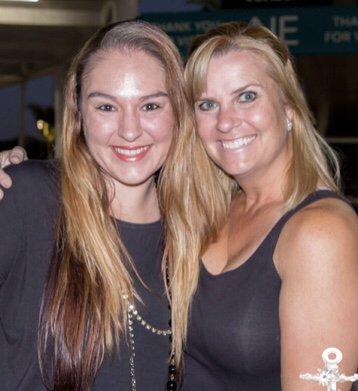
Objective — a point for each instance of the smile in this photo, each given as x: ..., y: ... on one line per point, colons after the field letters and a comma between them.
x: 238, y: 143
x: 131, y: 154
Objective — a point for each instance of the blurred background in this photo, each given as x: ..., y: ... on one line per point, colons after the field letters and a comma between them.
x: 39, y: 38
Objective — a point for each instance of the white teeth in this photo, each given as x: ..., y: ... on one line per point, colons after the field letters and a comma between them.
x: 130, y: 152
x: 239, y: 142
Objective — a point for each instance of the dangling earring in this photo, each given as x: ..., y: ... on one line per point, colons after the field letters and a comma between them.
x: 289, y: 125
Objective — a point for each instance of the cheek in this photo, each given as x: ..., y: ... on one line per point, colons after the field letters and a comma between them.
x: 258, y: 120
x: 161, y: 129
x: 255, y: 113
x: 263, y: 120
x: 97, y: 129
x: 270, y: 114
x: 204, y: 127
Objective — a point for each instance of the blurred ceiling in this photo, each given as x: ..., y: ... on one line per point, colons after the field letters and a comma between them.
x: 36, y: 37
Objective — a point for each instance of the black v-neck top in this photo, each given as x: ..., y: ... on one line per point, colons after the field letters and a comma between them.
x: 27, y: 217
x: 234, y: 332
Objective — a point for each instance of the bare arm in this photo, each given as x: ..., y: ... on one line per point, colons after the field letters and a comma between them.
x: 317, y: 257
x: 13, y: 156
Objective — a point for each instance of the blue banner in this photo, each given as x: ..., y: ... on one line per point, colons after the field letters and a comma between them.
x: 313, y: 30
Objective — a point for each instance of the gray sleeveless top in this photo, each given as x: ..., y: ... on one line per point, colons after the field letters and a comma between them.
x: 234, y: 332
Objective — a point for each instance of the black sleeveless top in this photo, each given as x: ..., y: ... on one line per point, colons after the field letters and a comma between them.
x: 234, y: 331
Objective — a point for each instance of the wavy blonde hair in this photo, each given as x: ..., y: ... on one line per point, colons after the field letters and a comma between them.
x: 205, y: 190
x: 84, y: 310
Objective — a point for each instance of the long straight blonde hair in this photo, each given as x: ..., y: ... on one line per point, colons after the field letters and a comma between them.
x: 84, y: 308
x: 204, y: 190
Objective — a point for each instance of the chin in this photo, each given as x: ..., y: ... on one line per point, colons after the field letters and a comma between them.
x: 238, y: 173
x: 130, y: 176
x: 133, y: 181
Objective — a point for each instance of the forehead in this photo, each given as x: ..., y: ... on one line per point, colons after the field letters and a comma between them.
x: 234, y: 68
x: 118, y: 68
x: 240, y: 64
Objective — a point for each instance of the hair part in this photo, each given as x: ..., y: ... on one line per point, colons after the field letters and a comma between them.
x: 84, y: 308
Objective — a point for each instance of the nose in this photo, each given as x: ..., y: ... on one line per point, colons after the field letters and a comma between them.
x: 129, y: 127
x: 227, y: 119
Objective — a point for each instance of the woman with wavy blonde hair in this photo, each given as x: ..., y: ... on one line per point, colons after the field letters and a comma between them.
x: 277, y: 277
x: 104, y: 322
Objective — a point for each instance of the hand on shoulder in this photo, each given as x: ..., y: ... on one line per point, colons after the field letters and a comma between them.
x: 31, y: 178
x: 12, y: 156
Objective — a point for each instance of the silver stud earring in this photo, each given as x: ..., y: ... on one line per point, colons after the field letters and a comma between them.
x: 289, y: 125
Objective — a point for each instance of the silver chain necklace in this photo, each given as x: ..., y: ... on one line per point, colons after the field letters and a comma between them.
x: 133, y: 314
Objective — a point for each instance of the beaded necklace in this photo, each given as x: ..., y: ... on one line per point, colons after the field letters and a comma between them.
x: 133, y: 315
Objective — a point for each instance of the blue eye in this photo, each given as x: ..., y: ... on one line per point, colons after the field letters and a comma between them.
x: 207, y: 105
x: 150, y: 107
x: 247, y: 96
x: 106, y: 107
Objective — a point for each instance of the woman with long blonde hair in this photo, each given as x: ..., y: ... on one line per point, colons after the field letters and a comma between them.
x: 271, y: 278
x: 80, y: 263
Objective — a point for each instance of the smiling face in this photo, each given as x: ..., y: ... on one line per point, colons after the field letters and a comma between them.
x: 128, y: 119
x: 241, y: 117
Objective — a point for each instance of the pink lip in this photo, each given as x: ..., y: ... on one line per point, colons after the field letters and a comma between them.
x: 130, y: 158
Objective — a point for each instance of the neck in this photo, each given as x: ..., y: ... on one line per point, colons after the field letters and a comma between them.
x: 258, y: 195
x: 264, y: 187
x: 135, y: 204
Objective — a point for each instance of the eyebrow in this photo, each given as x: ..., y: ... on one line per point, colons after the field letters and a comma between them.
x: 240, y: 89
x: 97, y: 94
x: 158, y: 94
x: 237, y: 91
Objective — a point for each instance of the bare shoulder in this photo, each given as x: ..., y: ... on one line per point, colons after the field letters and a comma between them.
x: 319, y: 235
x: 322, y: 216
x: 318, y: 250
x: 317, y: 259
